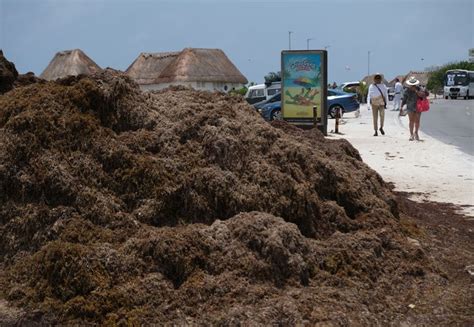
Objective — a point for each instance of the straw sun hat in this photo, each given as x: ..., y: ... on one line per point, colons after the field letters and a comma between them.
x: 412, y: 81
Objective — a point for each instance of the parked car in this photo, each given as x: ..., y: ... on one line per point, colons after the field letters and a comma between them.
x: 275, y: 98
x: 261, y: 92
x: 271, y: 111
x: 391, y: 93
x: 349, y: 87
x: 352, y: 87
x: 339, y: 99
x: 336, y: 99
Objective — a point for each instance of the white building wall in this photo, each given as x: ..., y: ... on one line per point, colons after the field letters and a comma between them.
x: 202, y: 86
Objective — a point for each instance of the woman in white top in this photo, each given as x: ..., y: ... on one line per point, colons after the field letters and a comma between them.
x: 377, y: 98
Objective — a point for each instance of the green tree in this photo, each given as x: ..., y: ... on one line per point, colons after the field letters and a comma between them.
x: 362, y: 91
x: 273, y: 77
x: 436, y: 79
x: 242, y: 91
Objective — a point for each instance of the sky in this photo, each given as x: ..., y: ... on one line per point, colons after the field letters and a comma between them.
x: 390, y: 37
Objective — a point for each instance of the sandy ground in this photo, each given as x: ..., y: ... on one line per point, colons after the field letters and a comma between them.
x: 429, y: 169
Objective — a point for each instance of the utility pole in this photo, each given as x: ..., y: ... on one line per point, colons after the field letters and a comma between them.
x: 307, y: 43
x: 368, y: 63
x: 289, y: 39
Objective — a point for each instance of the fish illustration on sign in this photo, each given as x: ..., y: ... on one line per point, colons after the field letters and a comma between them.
x: 307, y: 82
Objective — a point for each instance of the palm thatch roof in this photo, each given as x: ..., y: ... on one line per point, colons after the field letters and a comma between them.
x: 370, y: 79
x: 189, y: 65
x: 148, y: 66
x: 423, y: 77
x: 69, y: 62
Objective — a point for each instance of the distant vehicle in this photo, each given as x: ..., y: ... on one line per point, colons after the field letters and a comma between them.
x: 343, y: 100
x: 459, y: 83
x: 352, y: 87
x: 391, y: 93
x: 275, y: 98
x: 349, y: 87
x: 347, y: 102
x: 262, y: 92
x: 271, y: 111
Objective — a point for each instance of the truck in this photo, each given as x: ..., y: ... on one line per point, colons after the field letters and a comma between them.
x: 260, y: 92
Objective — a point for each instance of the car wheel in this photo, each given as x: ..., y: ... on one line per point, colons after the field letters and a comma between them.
x: 276, y: 115
x: 446, y: 97
x: 333, y: 110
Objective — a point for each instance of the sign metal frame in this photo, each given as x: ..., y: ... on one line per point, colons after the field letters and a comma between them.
x: 304, y: 88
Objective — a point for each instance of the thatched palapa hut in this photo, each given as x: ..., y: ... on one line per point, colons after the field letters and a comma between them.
x: 393, y: 81
x: 201, y: 69
x: 145, y: 69
x: 69, y: 62
x: 370, y: 79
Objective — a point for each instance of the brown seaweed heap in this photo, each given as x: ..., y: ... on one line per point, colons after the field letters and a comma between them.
x: 185, y: 207
x: 8, y: 74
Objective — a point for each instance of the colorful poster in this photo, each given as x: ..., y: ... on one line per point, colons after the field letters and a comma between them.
x: 303, y: 85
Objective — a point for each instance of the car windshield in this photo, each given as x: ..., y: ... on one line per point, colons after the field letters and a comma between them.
x: 273, y: 91
x: 456, y: 79
x: 350, y: 88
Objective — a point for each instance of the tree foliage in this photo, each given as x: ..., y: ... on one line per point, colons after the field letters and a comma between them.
x: 362, y: 91
x: 272, y: 77
x: 242, y: 91
x: 436, y: 79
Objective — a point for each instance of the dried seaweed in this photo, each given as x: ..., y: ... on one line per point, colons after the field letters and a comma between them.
x: 118, y: 206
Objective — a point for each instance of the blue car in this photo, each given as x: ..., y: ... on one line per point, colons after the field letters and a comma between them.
x: 275, y: 98
x: 347, y: 102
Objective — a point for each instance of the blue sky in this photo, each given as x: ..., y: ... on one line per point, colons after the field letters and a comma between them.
x: 401, y: 35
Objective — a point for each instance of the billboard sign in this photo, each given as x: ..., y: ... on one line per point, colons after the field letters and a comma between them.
x: 304, y: 87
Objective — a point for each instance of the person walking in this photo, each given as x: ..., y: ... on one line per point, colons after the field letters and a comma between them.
x: 377, y: 97
x: 412, y: 94
x: 397, y: 98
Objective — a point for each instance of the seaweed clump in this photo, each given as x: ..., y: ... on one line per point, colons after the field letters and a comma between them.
x: 118, y: 206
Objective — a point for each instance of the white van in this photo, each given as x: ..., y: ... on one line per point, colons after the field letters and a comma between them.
x: 261, y: 92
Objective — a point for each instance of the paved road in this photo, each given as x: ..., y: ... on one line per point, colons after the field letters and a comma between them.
x: 452, y: 122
